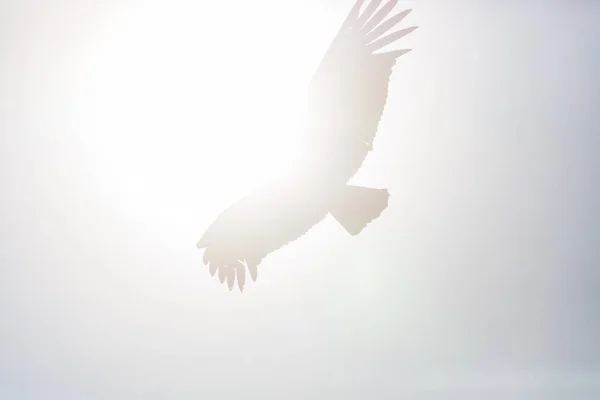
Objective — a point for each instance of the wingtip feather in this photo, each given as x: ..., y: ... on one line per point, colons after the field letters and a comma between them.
x: 222, y: 274
x: 252, y: 268
x: 388, y: 39
x: 396, y: 53
x: 381, y: 29
x: 230, y: 277
x: 368, y: 13
x: 378, y: 16
x: 352, y: 17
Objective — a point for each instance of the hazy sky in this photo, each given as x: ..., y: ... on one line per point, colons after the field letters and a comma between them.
x: 480, y: 280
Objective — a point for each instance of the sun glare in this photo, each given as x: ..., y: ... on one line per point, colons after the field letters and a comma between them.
x: 182, y: 111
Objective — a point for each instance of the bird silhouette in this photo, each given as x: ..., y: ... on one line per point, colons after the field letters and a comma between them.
x: 347, y: 96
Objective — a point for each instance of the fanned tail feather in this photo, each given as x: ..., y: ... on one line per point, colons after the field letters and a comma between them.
x: 357, y: 206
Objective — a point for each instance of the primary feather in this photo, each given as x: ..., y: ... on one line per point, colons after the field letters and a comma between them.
x: 347, y: 96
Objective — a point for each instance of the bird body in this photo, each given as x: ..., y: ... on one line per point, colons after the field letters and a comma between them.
x: 347, y: 96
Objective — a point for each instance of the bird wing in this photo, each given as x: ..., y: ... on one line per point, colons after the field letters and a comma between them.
x: 255, y: 226
x: 349, y: 89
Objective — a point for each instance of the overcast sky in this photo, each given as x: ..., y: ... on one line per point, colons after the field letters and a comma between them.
x: 480, y: 280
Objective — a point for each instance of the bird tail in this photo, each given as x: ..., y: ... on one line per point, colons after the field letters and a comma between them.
x: 357, y: 206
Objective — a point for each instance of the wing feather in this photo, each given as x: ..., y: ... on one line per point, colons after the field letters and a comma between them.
x: 379, y: 16
x: 392, y: 37
x: 240, y: 273
x: 368, y: 12
x: 222, y: 273
x: 376, y: 32
x: 252, y: 265
x: 352, y: 17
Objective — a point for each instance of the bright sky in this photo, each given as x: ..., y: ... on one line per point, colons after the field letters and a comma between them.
x: 118, y: 148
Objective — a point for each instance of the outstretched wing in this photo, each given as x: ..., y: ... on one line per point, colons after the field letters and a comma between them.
x: 257, y: 225
x: 349, y: 88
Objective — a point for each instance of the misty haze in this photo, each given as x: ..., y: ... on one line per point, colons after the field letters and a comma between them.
x: 127, y: 127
